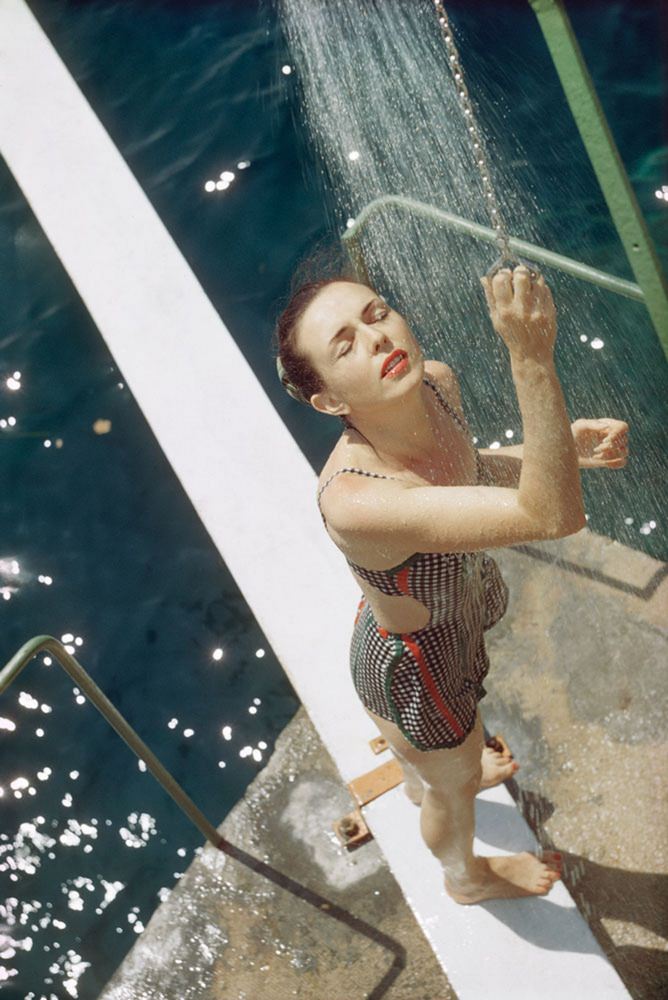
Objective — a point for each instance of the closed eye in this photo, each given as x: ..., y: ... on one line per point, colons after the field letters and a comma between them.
x: 380, y: 313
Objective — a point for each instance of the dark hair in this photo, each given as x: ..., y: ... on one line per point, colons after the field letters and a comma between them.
x: 297, y: 373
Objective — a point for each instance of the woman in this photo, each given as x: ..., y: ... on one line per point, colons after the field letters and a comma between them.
x: 413, y: 505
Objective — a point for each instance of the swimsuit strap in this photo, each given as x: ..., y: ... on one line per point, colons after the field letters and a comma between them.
x: 480, y: 465
x: 377, y: 475
x: 446, y: 406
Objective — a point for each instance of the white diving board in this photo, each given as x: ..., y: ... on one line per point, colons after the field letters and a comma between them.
x: 255, y: 494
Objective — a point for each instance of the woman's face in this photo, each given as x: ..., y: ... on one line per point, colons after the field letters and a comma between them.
x: 362, y: 349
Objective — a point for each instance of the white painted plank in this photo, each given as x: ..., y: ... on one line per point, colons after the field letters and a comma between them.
x: 255, y: 494
x: 519, y: 949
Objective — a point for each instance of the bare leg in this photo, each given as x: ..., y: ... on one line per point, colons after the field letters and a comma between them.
x: 496, y: 768
x: 451, y: 779
x: 413, y: 784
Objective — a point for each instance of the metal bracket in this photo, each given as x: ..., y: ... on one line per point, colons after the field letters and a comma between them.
x: 378, y: 744
x: 352, y: 830
x: 369, y: 786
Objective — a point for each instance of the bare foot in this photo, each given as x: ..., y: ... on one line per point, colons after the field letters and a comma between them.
x: 496, y: 767
x: 509, y: 877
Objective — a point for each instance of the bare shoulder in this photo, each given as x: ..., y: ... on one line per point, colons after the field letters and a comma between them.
x: 447, y: 381
x: 340, y: 490
x: 348, y: 452
x: 356, y: 508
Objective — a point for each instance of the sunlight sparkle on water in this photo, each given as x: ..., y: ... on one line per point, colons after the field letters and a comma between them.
x: 27, y: 700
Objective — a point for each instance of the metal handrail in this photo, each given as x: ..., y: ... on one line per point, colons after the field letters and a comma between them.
x: 21, y: 659
x: 325, y: 906
x: 576, y: 268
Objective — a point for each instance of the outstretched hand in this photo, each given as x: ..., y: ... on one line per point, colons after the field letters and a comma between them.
x: 602, y: 443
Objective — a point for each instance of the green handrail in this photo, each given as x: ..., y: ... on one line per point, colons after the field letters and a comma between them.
x: 450, y: 221
x: 325, y: 906
x: 604, y: 156
x: 21, y: 659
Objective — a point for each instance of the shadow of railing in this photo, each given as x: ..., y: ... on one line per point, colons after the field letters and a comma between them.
x: 107, y: 709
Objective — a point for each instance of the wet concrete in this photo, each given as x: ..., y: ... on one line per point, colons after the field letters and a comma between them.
x: 227, y: 933
x: 578, y: 685
x: 578, y: 688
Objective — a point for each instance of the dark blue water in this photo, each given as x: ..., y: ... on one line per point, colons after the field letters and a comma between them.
x: 187, y: 90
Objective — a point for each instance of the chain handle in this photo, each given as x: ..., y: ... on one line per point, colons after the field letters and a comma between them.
x: 507, y: 258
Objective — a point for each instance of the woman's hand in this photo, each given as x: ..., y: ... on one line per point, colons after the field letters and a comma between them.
x: 602, y: 443
x: 522, y: 312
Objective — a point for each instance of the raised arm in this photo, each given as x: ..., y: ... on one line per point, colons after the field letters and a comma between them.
x: 388, y: 516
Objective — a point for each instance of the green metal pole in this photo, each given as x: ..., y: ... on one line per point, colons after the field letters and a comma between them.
x: 605, y: 159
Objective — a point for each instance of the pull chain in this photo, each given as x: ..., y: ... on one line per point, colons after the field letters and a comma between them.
x: 507, y: 257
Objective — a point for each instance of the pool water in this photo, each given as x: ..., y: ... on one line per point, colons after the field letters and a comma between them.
x: 187, y: 91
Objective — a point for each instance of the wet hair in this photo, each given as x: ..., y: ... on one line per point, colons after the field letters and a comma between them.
x: 326, y: 263
x: 296, y: 371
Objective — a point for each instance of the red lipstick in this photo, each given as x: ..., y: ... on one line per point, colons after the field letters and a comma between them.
x: 397, y: 359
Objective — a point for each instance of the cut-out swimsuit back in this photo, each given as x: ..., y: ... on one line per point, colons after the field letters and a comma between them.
x: 428, y: 681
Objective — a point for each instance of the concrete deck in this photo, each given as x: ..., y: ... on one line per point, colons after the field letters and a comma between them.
x: 576, y: 680
x: 576, y: 686
x: 226, y: 932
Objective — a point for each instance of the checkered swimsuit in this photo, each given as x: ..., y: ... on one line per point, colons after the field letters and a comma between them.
x: 429, y: 681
